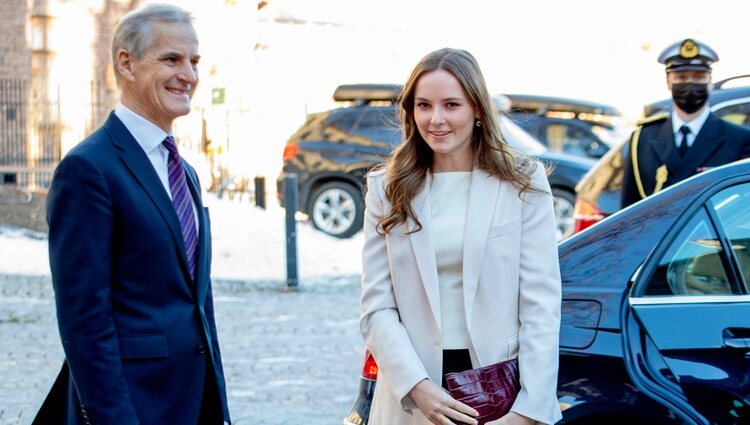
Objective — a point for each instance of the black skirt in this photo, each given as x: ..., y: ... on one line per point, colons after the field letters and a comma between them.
x: 455, y: 361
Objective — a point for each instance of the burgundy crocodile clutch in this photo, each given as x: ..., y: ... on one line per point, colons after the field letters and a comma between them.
x: 490, y: 390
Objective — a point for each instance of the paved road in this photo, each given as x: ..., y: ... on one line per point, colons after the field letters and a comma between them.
x: 289, y: 357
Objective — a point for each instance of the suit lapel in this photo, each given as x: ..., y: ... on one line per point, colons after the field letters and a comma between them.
x: 424, y: 249
x: 707, y: 141
x: 137, y: 162
x: 664, y: 147
x: 482, y: 199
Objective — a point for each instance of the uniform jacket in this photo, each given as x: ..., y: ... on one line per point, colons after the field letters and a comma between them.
x: 511, y: 293
x: 139, y: 335
x: 718, y: 142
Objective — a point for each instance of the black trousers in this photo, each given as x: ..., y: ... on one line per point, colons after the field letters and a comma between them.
x: 455, y: 361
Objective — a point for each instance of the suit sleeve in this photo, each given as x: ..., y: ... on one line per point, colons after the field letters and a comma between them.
x: 540, y: 296
x: 380, y: 323
x: 81, y: 230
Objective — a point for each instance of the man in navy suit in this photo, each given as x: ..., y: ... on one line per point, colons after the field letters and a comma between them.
x: 130, y: 249
x: 671, y: 147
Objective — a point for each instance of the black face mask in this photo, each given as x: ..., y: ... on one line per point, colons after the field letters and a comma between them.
x: 690, y: 96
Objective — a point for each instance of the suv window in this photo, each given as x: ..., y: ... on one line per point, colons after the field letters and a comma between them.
x: 570, y: 138
x: 344, y: 120
x: 379, y: 125
x: 696, y: 263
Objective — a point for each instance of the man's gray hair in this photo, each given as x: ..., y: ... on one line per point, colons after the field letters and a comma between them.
x: 134, y: 34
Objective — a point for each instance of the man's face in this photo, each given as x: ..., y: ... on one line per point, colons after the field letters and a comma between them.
x: 687, y: 77
x: 162, y: 82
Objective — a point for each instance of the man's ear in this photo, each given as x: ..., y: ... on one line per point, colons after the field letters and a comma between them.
x: 124, y: 65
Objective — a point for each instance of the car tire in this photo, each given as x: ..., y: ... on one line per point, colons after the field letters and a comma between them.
x: 564, y: 201
x: 337, y: 209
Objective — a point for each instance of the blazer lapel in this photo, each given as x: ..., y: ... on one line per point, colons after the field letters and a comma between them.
x: 140, y: 167
x: 424, y: 249
x: 482, y: 199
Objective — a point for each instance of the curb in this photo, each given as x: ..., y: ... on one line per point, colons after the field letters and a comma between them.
x: 40, y: 286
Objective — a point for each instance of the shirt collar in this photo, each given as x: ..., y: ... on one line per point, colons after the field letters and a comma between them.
x: 146, y: 133
x: 694, y: 125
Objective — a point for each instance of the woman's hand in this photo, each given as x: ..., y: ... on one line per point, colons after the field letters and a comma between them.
x: 439, y: 407
x: 513, y: 418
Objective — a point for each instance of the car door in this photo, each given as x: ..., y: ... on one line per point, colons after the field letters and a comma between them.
x: 687, y: 320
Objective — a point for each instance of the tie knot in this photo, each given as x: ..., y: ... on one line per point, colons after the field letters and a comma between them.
x: 171, y: 146
x: 685, y: 130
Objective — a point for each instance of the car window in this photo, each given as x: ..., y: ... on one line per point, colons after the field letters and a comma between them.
x: 738, y: 114
x: 519, y: 138
x: 731, y: 206
x: 694, y: 264
x: 571, y: 139
x: 380, y: 125
x: 343, y: 120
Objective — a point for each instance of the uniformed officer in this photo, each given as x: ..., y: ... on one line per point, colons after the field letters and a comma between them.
x: 672, y: 146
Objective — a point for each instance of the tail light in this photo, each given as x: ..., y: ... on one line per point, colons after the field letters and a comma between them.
x: 370, y: 369
x: 290, y: 151
x: 585, y: 214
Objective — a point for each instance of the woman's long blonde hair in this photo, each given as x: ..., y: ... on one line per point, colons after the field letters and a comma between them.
x: 406, y: 168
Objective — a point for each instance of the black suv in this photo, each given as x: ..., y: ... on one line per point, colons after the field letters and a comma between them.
x: 598, y: 193
x: 573, y: 126
x: 333, y: 150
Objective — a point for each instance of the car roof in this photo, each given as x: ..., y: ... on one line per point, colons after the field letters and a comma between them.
x: 542, y: 104
x: 609, y: 252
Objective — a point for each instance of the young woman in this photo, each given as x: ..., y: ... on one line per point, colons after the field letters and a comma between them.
x: 460, y: 264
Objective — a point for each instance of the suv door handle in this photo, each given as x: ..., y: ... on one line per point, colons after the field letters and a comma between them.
x: 737, y: 338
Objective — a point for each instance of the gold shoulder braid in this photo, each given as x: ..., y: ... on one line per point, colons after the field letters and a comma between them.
x: 661, y: 173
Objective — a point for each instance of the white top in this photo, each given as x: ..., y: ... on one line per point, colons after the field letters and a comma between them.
x: 694, y: 126
x: 449, y: 200
x: 150, y: 137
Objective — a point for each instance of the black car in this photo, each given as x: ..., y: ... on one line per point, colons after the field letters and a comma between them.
x: 333, y: 150
x: 598, y: 193
x: 656, y: 310
x: 573, y: 126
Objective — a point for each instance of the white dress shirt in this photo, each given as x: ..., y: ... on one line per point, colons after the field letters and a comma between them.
x: 150, y: 137
x: 694, y: 126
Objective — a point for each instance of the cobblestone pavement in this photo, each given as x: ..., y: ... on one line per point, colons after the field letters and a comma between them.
x: 290, y: 357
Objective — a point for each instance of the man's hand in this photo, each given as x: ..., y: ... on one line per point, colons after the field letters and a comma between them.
x: 439, y: 407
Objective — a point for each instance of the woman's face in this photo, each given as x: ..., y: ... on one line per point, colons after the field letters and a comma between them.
x: 445, y: 119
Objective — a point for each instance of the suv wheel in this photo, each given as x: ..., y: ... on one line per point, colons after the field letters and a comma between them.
x: 564, y: 202
x: 337, y: 208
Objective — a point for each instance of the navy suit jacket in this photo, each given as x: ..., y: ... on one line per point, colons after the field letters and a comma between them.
x: 718, y: 142
x: 139, y: 335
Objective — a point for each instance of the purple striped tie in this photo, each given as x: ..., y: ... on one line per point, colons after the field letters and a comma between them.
x: 181, y: 199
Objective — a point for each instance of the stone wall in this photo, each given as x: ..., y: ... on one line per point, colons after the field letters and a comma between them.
x: 19, y: 207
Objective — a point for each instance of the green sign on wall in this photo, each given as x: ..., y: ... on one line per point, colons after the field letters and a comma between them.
x: 217, y: 95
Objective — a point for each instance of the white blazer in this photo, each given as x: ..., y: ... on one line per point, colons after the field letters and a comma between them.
x: 511, y: 289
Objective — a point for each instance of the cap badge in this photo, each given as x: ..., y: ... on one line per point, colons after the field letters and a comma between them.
x: 688, y: 49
